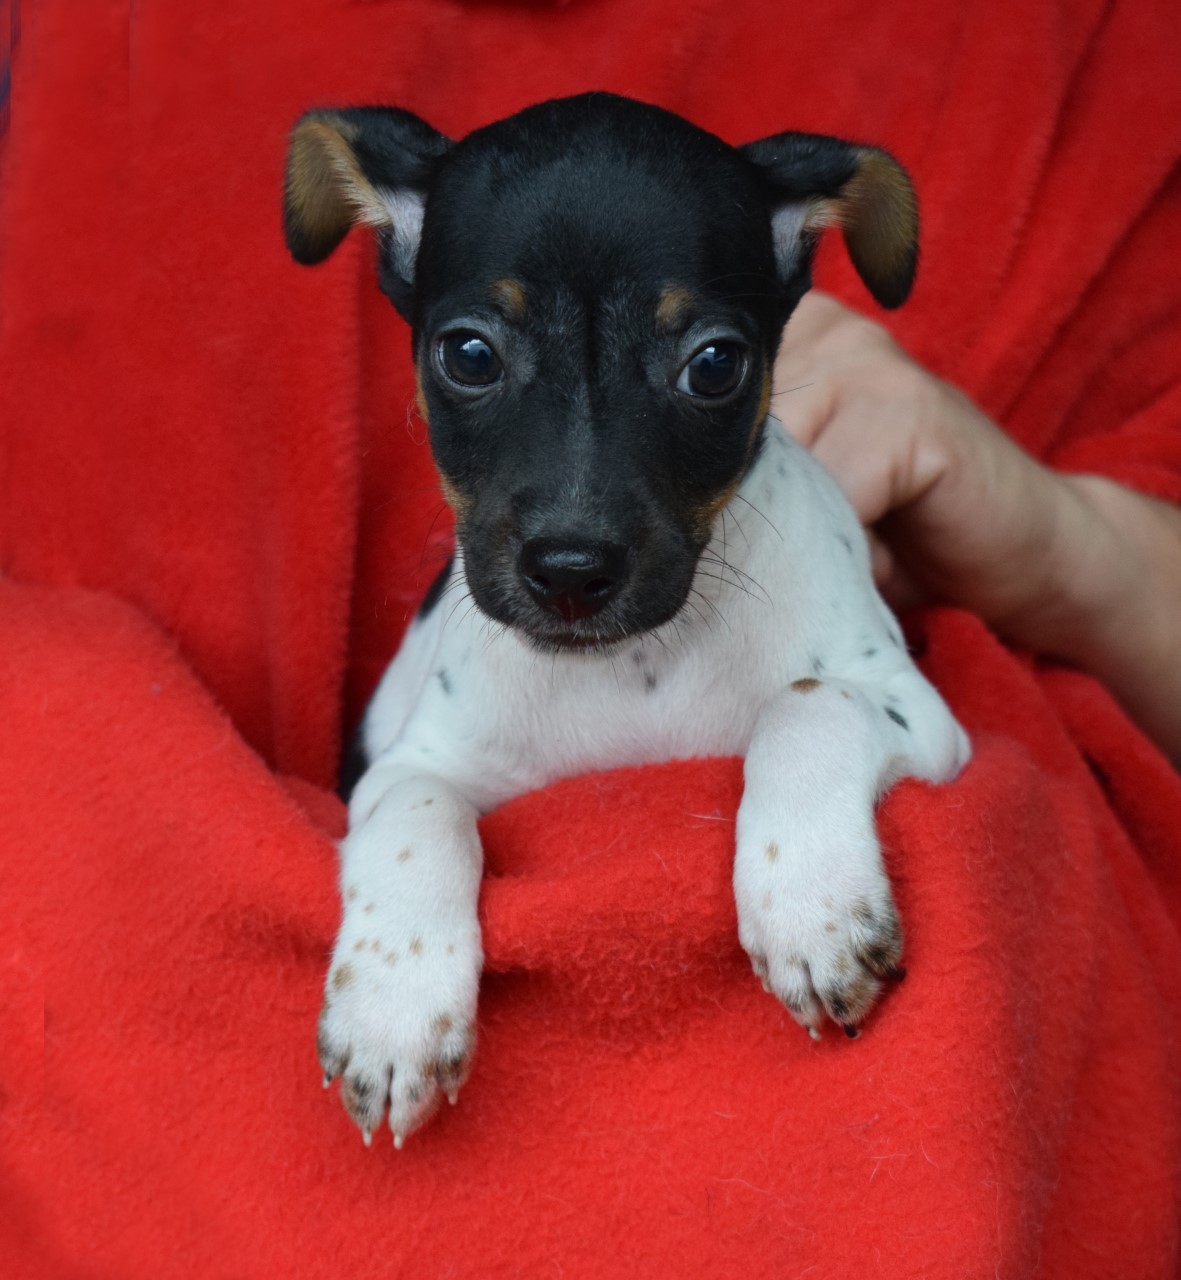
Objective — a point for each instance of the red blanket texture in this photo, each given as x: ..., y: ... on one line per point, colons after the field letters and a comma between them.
x: 217, y: 511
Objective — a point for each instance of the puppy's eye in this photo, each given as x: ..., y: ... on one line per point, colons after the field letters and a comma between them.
x: 715, y: 371
x: 469, y: 360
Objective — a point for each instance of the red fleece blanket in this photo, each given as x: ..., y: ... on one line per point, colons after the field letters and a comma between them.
x: 217, y: 511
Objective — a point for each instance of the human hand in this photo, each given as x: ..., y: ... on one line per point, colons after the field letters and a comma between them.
x: 1073, y: 566
x: 956, y: 512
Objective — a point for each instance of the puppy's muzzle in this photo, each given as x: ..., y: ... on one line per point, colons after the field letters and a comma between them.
x: 571, y: 578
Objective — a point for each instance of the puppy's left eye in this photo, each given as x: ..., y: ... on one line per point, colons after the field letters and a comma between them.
x: 715, y: 371
x: 466, y: 358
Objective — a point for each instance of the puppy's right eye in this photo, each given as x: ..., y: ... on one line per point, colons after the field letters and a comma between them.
x: 468, y: 359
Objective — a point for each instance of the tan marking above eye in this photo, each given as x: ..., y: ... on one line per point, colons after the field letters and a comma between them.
x: 673, y: 306
x: 509, y: 296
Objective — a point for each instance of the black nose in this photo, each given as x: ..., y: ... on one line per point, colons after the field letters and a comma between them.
x: 570, y: 578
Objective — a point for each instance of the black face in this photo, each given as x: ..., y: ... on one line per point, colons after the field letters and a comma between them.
x: 597, y: 290
x: 596, y: 313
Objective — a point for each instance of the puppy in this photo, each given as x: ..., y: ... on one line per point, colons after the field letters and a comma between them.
x: 596, y: 290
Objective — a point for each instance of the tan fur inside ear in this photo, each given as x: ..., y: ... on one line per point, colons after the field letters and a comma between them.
x: 326, y: 187
x: 882, y: 228
x: 878, y: 213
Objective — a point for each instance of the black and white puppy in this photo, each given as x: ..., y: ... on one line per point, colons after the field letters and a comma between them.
x: 596, y: 290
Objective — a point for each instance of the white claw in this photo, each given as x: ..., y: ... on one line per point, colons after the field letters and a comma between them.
x: 367, y: 1136
x: 453, y: 1096
x: 814, y: 1033
x: 398, y: 1140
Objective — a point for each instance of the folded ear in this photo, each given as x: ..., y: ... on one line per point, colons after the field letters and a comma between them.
x: 369, y: 165
x: 817, y: 182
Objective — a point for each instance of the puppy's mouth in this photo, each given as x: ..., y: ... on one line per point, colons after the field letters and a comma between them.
x: 649, y: 600
x: 547, y: 640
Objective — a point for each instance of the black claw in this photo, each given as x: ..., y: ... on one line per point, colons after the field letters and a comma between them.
x: 850, y: 1030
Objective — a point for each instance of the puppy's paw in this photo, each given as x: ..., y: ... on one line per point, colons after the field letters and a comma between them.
x: 823, y: 944
x: 398, y: 1021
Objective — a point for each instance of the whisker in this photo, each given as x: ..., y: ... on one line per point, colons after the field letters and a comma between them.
x: 761, y: 516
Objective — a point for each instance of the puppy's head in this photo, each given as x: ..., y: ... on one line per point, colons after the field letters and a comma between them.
x: 596, y: 290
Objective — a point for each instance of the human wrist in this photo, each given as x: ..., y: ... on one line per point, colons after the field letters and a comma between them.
x: 1090, y: 576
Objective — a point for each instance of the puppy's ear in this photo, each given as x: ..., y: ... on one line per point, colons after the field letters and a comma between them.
x: 817, y: 182
x: 369, y: 165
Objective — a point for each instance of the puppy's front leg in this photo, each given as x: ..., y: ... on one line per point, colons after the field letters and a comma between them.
x: 815, y: 912
x: 398, y: 1022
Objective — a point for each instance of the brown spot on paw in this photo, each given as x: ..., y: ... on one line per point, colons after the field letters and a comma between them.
x: 359, y: 945
x: 391, y: 956
x: 442, y: 1024
x: 351, y: 895
x: 331, y: 1059
x: 375, y: 947
x: 450, y: 949
x: 367, y: 907
x: 806, y: 685
x: 404, y: 855
x: 862, y: 912
x: 830, y: 927
x: 361, y: 1100
x: 343, y: 977
x: 882, y: 952
x: 416, y: 946
x: 451, y: 1070
x: 852, y: 999
x: 772, y: 851
x: 796, y: 1006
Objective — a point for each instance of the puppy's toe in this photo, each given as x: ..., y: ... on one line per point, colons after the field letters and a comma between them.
x: 398, y: 1028
x: 825, y: 956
